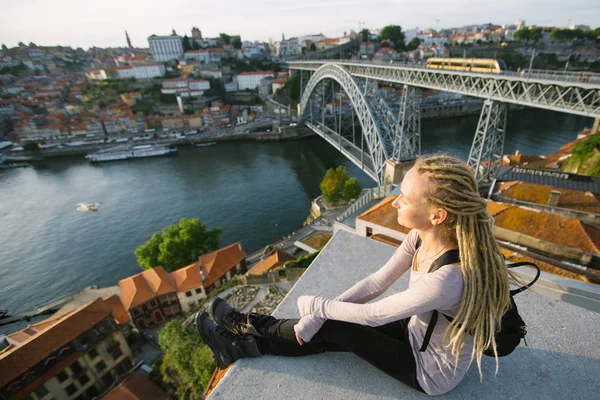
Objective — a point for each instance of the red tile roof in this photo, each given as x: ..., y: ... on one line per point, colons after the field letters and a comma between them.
x: 119, y: 313
x: 549, y: 227
x: 136, y: 387
x: 218, y: 262
x: 217, y: 375
x: 384, y: 214
x: 61, y: 331
x: 144, y: 286
x: 187, y: 278
x: 534, y: 193
x: 274, y: 260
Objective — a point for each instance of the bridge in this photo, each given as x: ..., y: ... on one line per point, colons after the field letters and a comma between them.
x: 369, y: 131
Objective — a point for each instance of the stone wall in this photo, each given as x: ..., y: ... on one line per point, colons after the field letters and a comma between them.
x: 275, y: 275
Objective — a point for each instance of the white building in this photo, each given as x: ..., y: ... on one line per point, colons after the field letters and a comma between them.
x: 166, y: 48
x: 185, y: 88
x: 251, y: 80
x: 288, y: 48
x: 198, y: 55
x: 140, y: 71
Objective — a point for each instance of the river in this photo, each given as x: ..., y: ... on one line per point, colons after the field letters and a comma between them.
x: 256, y: 192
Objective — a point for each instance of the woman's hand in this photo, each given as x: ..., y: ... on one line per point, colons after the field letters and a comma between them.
x: 299, y: 339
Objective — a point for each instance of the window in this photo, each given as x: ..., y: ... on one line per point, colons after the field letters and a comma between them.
x: 76, y: 368
x: 41, y: 391
x: 198, y: 291
x: 188, y: 293
x: 369, y: 232
x: 116, y: 353
x: 71, y: 389
x: 62, y: 376
x: 107, y: 380
x: 91, y: 392
x: 153, y: 303
x: 83, y: 379
x: 101, y: 366
x: 93, y: 354
x: 135, y: 312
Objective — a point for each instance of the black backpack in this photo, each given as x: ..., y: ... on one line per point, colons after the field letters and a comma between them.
x: 512, y: 328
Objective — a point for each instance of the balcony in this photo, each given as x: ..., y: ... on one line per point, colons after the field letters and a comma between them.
x: 561, y: 361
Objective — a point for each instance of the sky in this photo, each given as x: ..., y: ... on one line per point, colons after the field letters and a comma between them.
x: 86, y: 23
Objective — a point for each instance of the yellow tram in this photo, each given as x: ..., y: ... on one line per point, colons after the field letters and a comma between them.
x: 468, y: 64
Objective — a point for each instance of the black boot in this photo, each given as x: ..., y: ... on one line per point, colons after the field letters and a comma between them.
x: 227, y: 348
x: 230, y: 319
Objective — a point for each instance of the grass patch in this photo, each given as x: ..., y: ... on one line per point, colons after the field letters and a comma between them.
x: 318, y: 240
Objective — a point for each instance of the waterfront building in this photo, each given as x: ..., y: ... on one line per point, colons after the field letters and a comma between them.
x: 274, y: 259
x: 189, y: 286
x: 76, y: 355
x: 166, y: 48
x: 251, y: 80
x: 149, y: 298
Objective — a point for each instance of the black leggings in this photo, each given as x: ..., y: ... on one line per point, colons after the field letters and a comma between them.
x: 386, y: 347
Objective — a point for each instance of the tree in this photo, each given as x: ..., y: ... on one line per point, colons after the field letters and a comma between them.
x: 225, y: 38
x: 522, y: 35
x: 352, y: 189
x: 186, y: 355
x: 332, y: 186
x: 31, y: 146
x: 178, y: 245
x: 195, y: 45
x: 186, y: 44
x: 313, y: 47
x: 413, y: 44
x: 394, y: 34
x: 237, y: 42
x: 365, y: 35
x: 536, y: 34
x: 292, y: 83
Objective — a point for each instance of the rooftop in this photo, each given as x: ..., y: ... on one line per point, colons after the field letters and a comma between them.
x: 560, y: 361
x: 136, y: 387
x: 275, y: 259
x: 218, y: 262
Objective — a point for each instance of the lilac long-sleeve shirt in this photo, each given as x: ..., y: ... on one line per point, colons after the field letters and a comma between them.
x: 437, y: 369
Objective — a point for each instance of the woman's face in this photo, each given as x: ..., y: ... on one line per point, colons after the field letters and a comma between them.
x: 413, y: 211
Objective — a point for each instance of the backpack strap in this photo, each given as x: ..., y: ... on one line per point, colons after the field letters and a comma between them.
x: 530, y: 284
x: 449, y: 257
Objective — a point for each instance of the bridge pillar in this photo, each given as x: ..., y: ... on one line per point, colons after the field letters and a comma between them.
x: 488, y: 145
x: 408, y: 144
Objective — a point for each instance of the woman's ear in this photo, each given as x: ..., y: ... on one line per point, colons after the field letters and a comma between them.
x: 438, y: 216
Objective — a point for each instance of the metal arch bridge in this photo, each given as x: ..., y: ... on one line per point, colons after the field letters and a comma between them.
x: 387, y: 135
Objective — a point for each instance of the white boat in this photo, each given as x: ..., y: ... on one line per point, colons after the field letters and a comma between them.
x: 88, y: 206
x: 127, y: 153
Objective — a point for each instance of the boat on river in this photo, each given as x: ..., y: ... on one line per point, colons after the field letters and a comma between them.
x: 126, y: 152
x: 206, y: 144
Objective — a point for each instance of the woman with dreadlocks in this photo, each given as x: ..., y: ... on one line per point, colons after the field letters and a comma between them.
x: 439, y: 201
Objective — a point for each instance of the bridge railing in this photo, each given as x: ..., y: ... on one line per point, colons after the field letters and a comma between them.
x: 369, y: 195
x: 563, y: 76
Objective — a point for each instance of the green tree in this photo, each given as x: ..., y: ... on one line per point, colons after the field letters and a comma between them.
x: 394, y: 34
x: 225, y: 38
x: 195, y: 45
x: 186, y: 44
x: 237, y: 42
x: 522, y: 35
x: 187, y: 356
x: 352, y: 189
x: 332, y: 186
x: 292, y: 83
x: 178, y: 245
x: 364, y: 35
x: 313, y: 47
x: 535, y: 34
x: 413, y: 44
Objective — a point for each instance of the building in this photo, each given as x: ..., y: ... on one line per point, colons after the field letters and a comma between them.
x: 220, y: 265
x: 251, y: 80
x: 136, y: 387
x: 189, y: 286
x: 198, y: 55
x: 185, y: 88
x: 76, y: 355
x: 166, y: 48
x: 288, y: 48
x: 149, y: 297
x: 147, y: 70
x: 380, y: 222
x: 273, y: 260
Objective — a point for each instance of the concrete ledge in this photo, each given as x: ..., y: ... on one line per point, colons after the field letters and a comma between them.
x: 562, y: 360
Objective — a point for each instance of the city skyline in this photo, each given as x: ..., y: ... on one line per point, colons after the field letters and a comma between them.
x: 75, y: 24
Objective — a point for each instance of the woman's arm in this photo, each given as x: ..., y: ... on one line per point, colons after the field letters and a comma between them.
x: 368, y: 288
x: 439, y: 290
